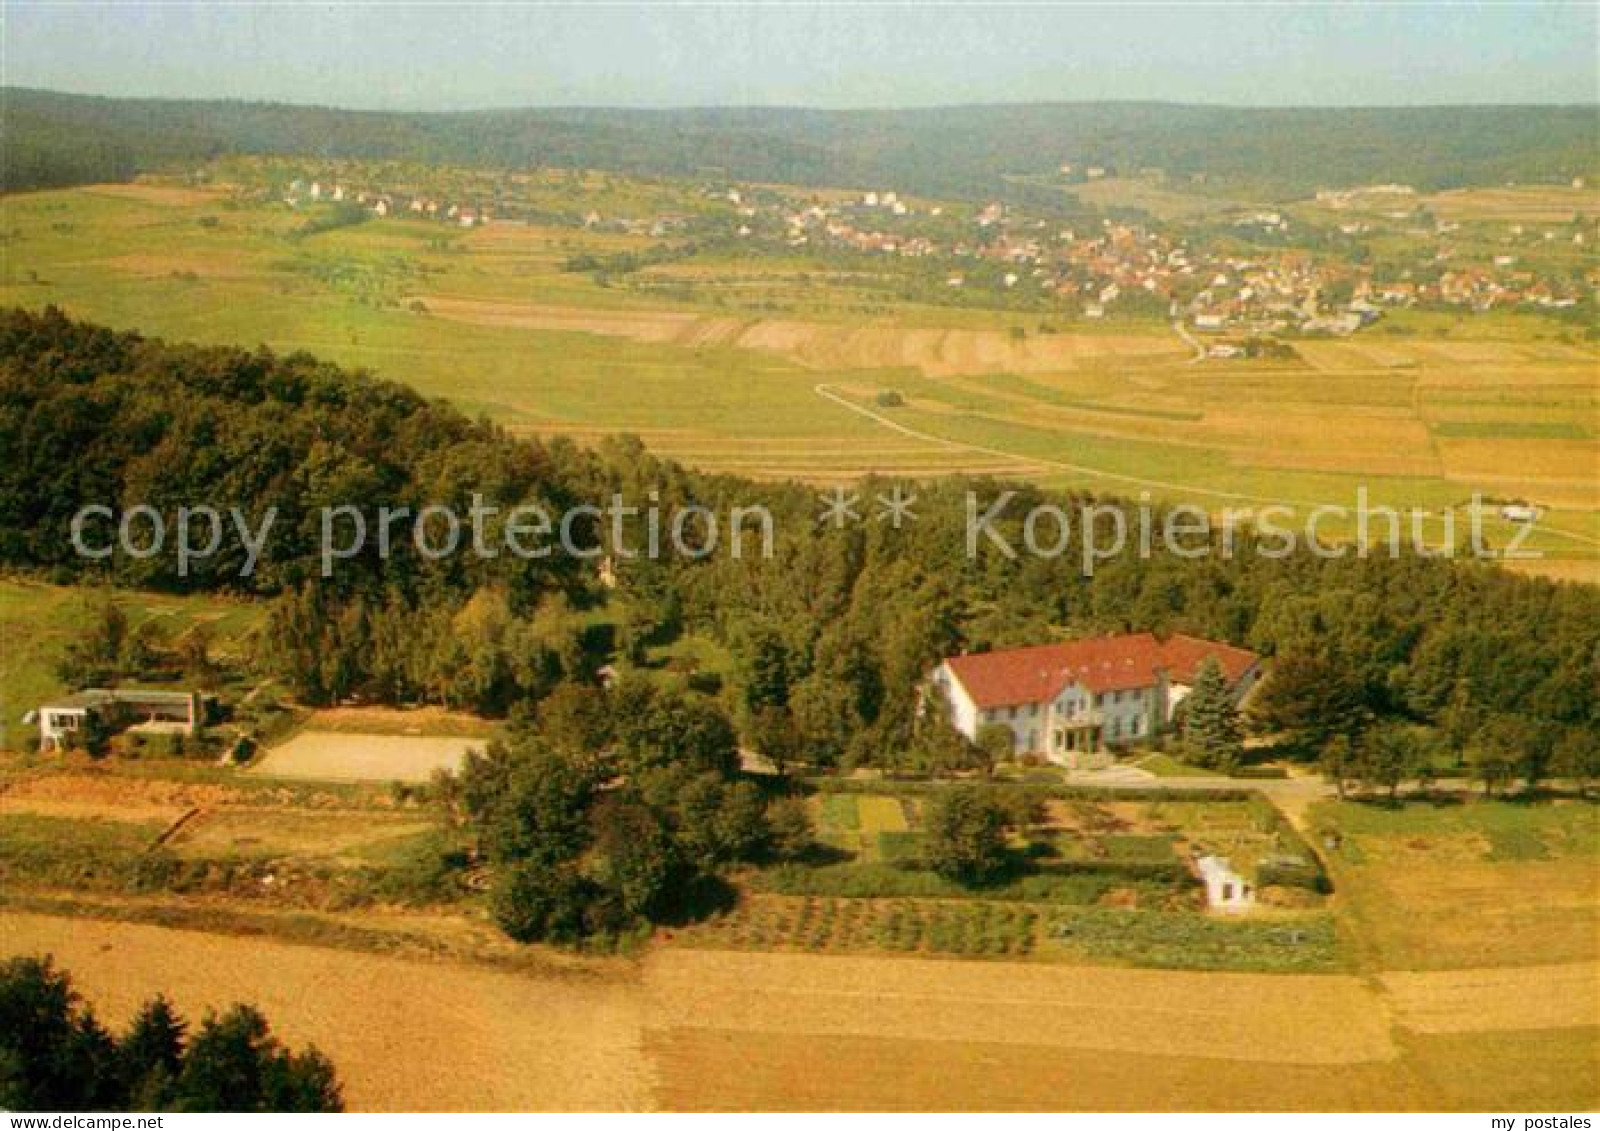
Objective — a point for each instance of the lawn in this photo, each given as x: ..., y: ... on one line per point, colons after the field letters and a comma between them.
x: 1081, y: 851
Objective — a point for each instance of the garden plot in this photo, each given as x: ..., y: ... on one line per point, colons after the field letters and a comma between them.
x: 348, y: 836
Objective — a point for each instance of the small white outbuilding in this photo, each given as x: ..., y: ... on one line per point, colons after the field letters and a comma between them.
x: 1226, y: 890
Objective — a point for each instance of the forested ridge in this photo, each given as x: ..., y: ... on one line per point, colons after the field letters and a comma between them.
x: 55, y: 139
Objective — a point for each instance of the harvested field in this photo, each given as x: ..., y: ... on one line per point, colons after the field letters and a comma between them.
x: 1585, y: 571
x: 716, y: 361
x: 1515, y: 997
x: 714, y: 1069
x: 214, y: 265
x: 429, y: 1036
x: 1112, y: 1010
x: 338, y: 756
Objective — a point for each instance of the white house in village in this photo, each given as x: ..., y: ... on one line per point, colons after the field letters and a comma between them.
x: 1075, y: 702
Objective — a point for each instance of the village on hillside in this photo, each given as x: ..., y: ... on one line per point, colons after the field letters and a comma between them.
x: 1240, y: 276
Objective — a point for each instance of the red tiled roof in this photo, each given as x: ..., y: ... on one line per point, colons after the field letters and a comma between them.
x: 1182, y: 655
x: 1107, y: 663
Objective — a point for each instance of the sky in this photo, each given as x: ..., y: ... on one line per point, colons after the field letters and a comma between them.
x: 437, y: 56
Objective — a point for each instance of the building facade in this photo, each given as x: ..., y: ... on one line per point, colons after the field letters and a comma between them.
x: 1077, y: 702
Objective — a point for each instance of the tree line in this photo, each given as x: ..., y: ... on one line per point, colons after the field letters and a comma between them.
x: 56, y: 1055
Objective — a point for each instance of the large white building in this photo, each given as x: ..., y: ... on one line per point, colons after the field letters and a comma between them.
x: 1075, y: 702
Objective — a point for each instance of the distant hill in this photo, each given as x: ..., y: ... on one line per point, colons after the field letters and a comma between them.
x: 58, y: 139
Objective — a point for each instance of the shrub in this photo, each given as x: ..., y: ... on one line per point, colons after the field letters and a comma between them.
x: 789, y: 831
x: 1292, y: 872
x: 966, y: 836
x: 1261, y: 773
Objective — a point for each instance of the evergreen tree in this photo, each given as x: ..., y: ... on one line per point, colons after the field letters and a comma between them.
x: 235, y: 1063
x: 54, y: 1055
x: 1212, y: 735
x: 151, y: 1055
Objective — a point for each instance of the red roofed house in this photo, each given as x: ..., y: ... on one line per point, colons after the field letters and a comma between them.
x: 1073, y: 702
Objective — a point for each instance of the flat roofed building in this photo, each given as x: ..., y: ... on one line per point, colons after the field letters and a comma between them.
x: 63, y: 721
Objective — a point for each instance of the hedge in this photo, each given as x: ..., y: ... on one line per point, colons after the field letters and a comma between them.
x: 923, y: 787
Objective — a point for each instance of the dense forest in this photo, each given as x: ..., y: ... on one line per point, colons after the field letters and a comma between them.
x: 1394, y: 664
x: 58, y: 139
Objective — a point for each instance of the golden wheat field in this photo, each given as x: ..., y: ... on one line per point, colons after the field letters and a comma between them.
x: 695, y: 1029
